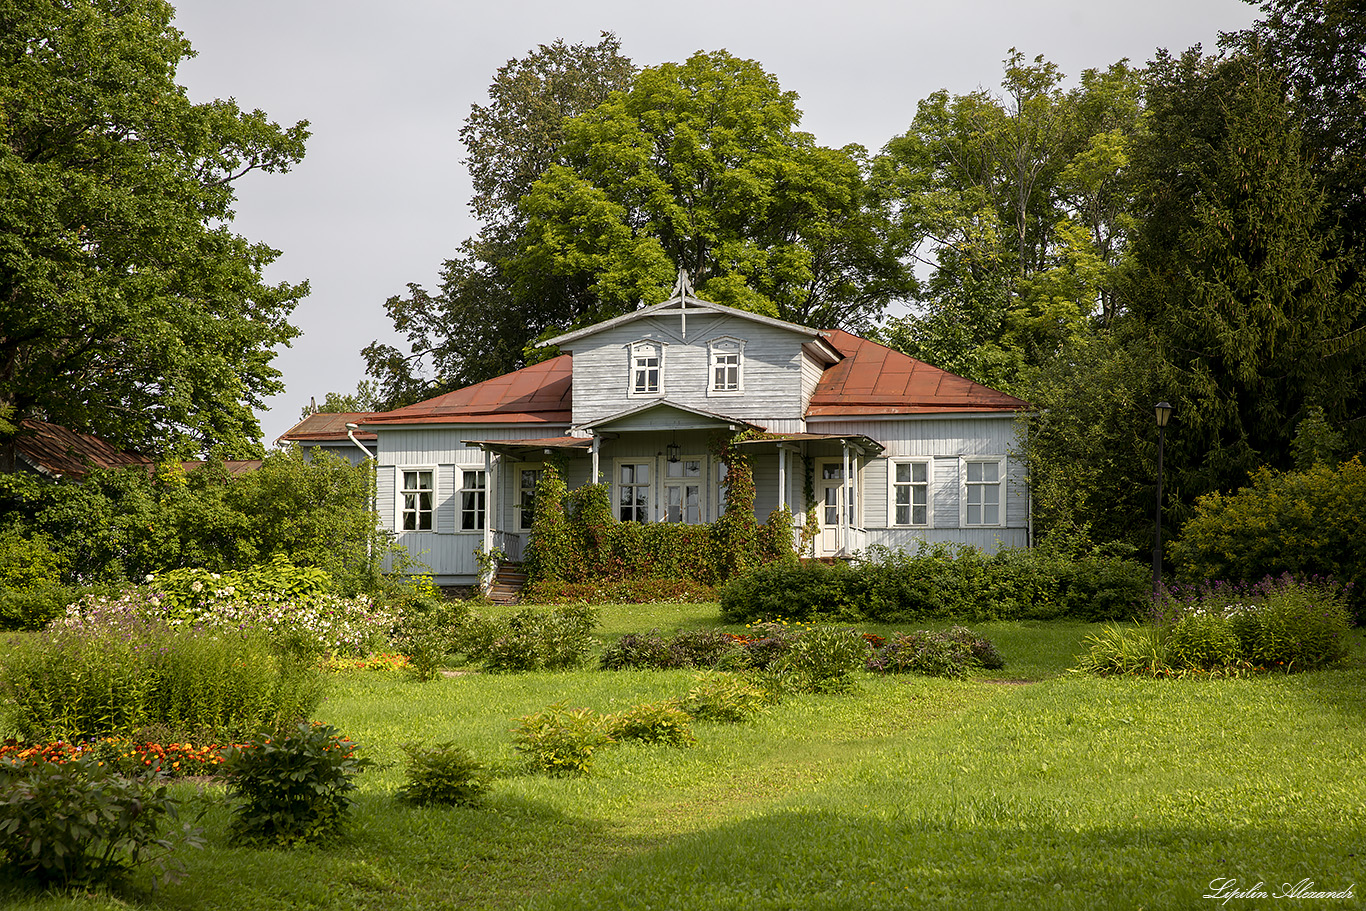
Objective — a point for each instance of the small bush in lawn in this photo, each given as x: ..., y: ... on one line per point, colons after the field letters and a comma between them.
x: 717, y: 696
x: 561, y: 741
x: 984, y: 654
x: 428, y: 635
x: 948, y: 653
x: 536, y: 639
x: 706, y: 649
x: 638, y: 651
x: 824, y: 659
x: 442, y: 774
x: 1202, y: 641
x: 292, y: 788
x: 79, y: 821
x: 1294, y: 625
x: 768, y: 642
x: 654, y: 722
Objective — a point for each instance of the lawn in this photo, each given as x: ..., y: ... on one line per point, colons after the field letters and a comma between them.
x: 1024, y: 788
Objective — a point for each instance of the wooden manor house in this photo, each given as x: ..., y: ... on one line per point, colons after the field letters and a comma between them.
x: 893, y: 451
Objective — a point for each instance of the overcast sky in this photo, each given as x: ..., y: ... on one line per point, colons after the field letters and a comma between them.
x: 381, y: 198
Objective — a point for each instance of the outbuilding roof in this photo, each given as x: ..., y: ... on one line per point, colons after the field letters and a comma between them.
x: 57, y: 452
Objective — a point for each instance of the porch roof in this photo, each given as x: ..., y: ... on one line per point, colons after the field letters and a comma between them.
x: 520, y: 449
x: 691, y: 418
x: 867, y: 443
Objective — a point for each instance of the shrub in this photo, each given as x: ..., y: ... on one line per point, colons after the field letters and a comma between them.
x: 619, y: 591
x: 561, y: 741
x: 80, y: 822
x: 1307, y: 523
x: 823, y: 660
x: 31, y: 589
x: 654, y: 722
x: 803, y: 591
x: 538, y: 639
x: 1294, y: 626
x: 293, y: 787
x: 442, y: 774
x: 1202, y: 641
x: 637, y: 651
x: 984, y: 654
x: 942, y: 582
x: 724, y: 697
x: 948, y: 653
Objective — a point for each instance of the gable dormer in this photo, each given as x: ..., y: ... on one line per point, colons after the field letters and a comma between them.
x: 699, y: 355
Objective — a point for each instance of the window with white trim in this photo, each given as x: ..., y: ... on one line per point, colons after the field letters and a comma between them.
x: 633, y: 491
x: 527, y: 479
x: 909, y: 485
x: 683, y: 490
x: 983, y: 491
x: 726, y: 357
x: 473, y: 500
x: 418, y: 497
x: 647, y: 368
x: 722, y: 472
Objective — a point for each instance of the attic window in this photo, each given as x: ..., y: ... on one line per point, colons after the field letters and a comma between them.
x: 647, y: 367
x: 726, y: 359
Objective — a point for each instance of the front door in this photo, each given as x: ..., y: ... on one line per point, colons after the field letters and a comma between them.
x: 831, y: 492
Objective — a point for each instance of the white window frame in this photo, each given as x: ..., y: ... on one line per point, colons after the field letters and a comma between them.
x: 728, y: 347
x: 698, y: 480
x: 651, y: 486
x: 964, y: 484
x: 401, y: 501
x: 519, y: 511
x: 480, y: 512
x: 893, y: 484
x: 631, y: 353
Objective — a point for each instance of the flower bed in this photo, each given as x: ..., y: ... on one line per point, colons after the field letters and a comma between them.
x: 176, y: 760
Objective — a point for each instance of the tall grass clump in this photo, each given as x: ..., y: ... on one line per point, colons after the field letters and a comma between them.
x: 117, y: 677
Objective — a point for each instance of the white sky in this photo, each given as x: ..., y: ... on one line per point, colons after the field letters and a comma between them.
x: 381, y: 198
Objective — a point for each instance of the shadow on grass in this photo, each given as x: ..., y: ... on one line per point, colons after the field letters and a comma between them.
x: 1001, y: 858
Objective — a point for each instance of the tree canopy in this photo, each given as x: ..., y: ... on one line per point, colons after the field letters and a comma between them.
x: 128, y: 308
x: 697, y: 165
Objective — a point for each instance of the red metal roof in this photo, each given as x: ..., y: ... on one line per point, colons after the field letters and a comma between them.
x: 324, y: 427
x: 873, y: 379
x: 54, y: 450
x: 539, y: 394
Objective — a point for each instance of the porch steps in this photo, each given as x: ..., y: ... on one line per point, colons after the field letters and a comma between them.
x: 507, y: 583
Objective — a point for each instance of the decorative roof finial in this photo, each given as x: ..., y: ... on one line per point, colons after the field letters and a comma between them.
x: 683, y: 287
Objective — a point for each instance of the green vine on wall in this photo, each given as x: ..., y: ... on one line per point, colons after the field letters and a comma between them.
x: 576, y: 538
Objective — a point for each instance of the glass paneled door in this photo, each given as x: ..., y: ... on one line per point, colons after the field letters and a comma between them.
x: 683, y: 491
x: 831, y: 489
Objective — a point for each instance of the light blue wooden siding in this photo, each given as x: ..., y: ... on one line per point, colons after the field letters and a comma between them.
x: 447, y: 552
x: 947, y: 442
x: 772, y: 376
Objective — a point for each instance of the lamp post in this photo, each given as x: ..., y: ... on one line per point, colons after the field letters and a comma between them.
x: 1164, y: 412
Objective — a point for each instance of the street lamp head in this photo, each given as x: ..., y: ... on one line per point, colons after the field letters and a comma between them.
x: 1164, y: 412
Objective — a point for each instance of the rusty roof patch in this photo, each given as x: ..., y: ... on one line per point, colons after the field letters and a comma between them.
x: 874, y: 379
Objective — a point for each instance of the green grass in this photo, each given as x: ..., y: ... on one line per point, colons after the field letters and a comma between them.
x: 1067, y: 792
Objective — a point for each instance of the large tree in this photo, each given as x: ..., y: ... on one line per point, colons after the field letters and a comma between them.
x: 697, y: 165
x: 700, y: 166
x: 1020, y: 202
x: 1233, y: 310
x: 127, y: 306
x: 475, y: 325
